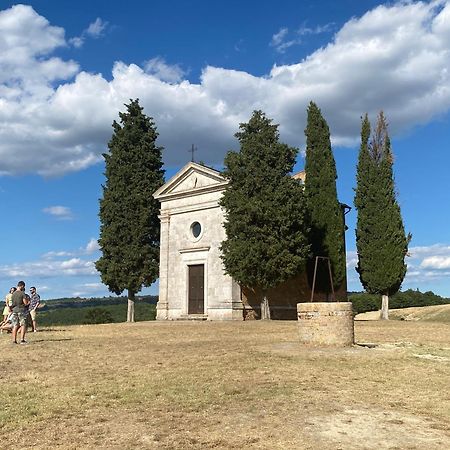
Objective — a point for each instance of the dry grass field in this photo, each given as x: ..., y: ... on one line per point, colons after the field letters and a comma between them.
x: 246, y: 385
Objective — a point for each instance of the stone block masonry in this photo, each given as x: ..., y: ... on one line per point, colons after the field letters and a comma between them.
x: 326, y: 323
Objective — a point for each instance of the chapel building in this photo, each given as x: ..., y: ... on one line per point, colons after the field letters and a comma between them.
x: 192, y: 280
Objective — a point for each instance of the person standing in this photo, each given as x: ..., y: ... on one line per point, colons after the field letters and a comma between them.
x: 19, y: 316
x: 8, y: 300
x: 35, y: 301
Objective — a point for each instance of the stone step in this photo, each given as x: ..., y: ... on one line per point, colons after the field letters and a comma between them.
x: 194, y: 317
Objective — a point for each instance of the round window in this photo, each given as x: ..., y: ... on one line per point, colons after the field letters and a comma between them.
x: 196, y: 229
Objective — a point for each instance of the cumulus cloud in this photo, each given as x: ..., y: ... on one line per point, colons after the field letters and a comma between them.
x: 163, y: 71
x: 75, y: 267
x: 436, y: 262
x: 395, y: 57
x: 95, y: 30
x: 60, y: 273
x: 92, y: 246
x: 49, y: 268
x: 59, y: 212
x: 27, y: 68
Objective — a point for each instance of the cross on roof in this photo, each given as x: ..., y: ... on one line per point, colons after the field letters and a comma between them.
x: 192, y: 150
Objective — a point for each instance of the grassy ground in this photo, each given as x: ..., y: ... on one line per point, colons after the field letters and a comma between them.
x: 226, y: 386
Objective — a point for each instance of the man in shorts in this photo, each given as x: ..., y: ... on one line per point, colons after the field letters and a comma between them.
x: 35, y: 301
x: 19, y: 313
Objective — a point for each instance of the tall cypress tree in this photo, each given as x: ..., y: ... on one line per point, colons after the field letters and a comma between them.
x: 327, y: 221
x: 129, y: 231
x: 264, y: 211
x: 380, y: 235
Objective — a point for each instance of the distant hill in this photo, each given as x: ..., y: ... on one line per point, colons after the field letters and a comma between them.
x: 78, y: 311
x: 436, y: 313
x: 363, y: 302
x: 81, y: 302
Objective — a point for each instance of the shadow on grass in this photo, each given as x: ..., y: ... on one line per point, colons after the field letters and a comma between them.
x: 51, y: 340
x: 46, y: 330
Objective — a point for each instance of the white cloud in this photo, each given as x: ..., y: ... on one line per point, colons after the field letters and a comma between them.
x: 53, y: 254
x: 279, y: 43
x: 93, y: 286
x: 436, y: 262
x: 76, y: 268
x: 27, y: 68
x: 49, y: 268
x: 92, y: 246
x: 319, y: 29
x: 59, y: 212
x: 94, y: 30
x: 163, y: 71
x: 278, y: 38
x: 433, y: 250
x: 374, y: 62
x: 77, y: 41
x: 61, y: 274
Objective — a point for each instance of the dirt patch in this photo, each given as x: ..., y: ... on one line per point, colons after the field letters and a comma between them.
x: 378, y: 429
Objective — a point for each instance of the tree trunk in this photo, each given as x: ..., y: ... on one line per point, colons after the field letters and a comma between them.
x: 265, y: 310
x: 384, y: 313
x: 130, y: 310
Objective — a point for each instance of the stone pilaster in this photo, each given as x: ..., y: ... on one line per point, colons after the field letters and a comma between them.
x: 162, y: 307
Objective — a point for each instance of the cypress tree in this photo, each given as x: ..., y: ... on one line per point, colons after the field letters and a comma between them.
x: 380, y: 235
x: 264, y: 211
x: 327, y: 221
x: 129, y: 231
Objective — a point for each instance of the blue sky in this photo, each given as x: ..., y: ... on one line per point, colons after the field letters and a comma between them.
x: 200, y: 68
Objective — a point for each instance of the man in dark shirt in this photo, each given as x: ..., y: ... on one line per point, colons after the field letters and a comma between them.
x: 19, y: 316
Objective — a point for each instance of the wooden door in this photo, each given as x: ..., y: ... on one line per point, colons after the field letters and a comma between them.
x: 196, y: 289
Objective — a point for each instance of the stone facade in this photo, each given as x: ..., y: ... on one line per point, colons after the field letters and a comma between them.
x: 190, y: 205
x: 191, y: 197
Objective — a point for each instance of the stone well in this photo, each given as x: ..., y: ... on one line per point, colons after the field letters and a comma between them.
x: 326, y: 323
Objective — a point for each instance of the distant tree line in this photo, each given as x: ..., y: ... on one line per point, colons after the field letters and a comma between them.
x: 364, y: 302
x: 79, y: 311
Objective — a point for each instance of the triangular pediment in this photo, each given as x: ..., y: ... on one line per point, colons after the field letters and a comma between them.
x: 192, y: 179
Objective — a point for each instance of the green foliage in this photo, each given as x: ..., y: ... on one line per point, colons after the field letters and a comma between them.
x: 265, y: 209
x: 363, y: 302
x: 327, y: 222
x: 129, y: 233
x: 380, y: 236
x: 74, y: 312
x: 98, y: 315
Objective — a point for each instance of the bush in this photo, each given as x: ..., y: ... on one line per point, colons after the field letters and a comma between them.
x: 98, y: 315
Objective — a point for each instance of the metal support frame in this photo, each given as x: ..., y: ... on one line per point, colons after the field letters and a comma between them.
x: 315, y: 273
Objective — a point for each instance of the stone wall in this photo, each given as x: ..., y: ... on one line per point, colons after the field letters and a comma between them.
x: 283, y: 299
x: 326, y: 323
